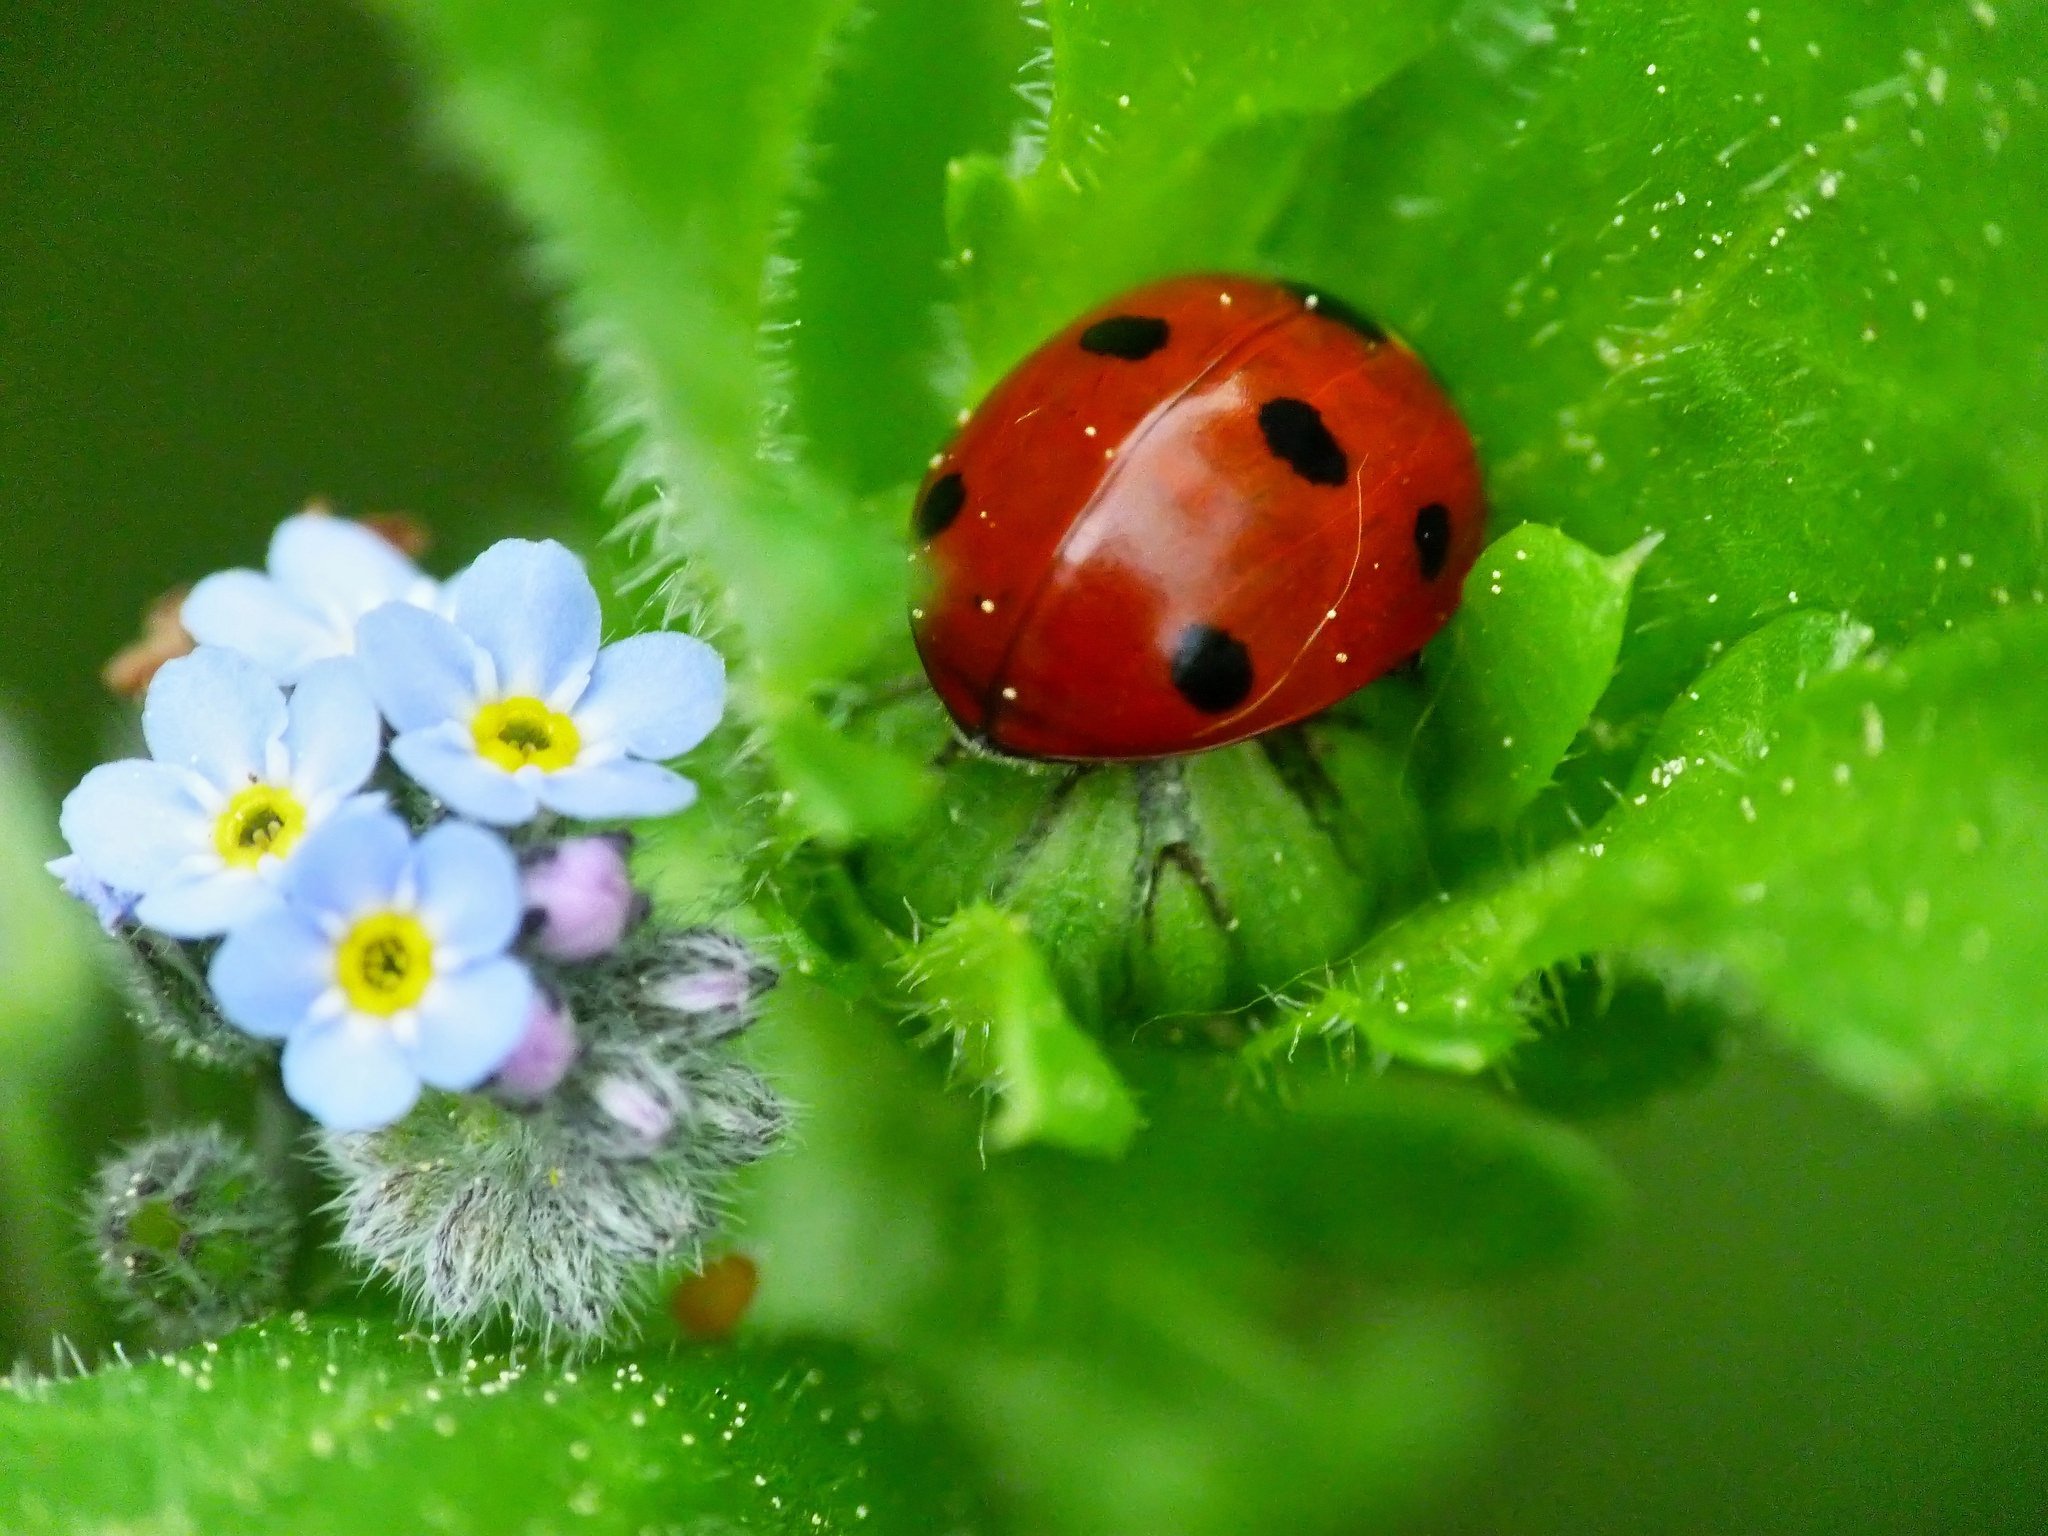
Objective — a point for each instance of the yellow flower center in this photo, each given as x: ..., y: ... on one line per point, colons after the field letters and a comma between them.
x: 384, y: 963
x: 518, y: 731
x: 264, y: 818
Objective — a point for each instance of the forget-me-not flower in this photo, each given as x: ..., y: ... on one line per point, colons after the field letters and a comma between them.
x: 113, y: 908
x: 324, y: 573
x: 383, y: 968
x: 508, y: 704
x: 236, y: 778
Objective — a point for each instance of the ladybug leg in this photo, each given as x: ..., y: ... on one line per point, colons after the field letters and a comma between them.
x: 973, y: 744
x: 894, y: 691
x: 1167, y: 836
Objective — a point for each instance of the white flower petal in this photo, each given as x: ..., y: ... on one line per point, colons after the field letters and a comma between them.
x: 469, y: 1021
x: 444, y: 762
x: 655, y: 695
x: 216, y: 713
x: 532, y: 609
x: 349, y: 1074
x: 621, y: 789
x: 205, y: 903
x: 421, y: 668
x: 135, y: 823
x: 355, y: 860
x: 470, y: 897
x: 334, y: 736
x: 270, y: 972
x: 248, y: 612
x: 338, y: 567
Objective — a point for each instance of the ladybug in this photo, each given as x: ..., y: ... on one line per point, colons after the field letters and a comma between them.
x: 1208, y: 509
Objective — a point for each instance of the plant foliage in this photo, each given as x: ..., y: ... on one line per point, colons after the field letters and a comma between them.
x: 1740, y: 727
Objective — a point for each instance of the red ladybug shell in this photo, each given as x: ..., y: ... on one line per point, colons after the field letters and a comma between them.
x: 1211, y: 508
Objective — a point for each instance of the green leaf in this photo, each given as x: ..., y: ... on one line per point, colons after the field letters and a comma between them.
x: 1755, y: 278
x: 1857, y: 848
x: 1172, y: 136
x: 1445, y: 986
x: 1519, y: 669
x: 1882, y: 870
x: 1400, y: 1184
x: 600, y: 121
x: 985, y: 984
x: 657, y: 151
x: 336, y: 1428
x: 913, y: 84
x: 1226, y: 1330
x: 1196, y: 1424
x: 839, y: 787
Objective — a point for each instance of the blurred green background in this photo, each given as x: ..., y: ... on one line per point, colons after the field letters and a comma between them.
x: 235, y: 275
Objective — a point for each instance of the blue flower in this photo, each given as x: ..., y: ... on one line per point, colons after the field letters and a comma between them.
x: 325, y: 573
x: 239, y: 777
x: 508, y: 704
x: 383, y: 967
x: 114, y: 909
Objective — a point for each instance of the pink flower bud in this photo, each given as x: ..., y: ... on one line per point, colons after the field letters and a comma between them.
x: 543, y: 1055
x: 636, y: 1110
x: 706, y: 980
x: 580, y: 899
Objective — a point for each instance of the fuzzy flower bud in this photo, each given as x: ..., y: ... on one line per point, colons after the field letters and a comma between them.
x: 636, y: 1109
x: 708, y: 980
x: 543, y: 1055
x: 192, y: 1235
x: 550, y: 1219
x: 580, y: 899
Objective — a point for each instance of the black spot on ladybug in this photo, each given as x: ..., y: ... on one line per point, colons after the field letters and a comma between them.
x: 1433, y: 539
x: 1295, y: 432
x: 1130, y: 337
x: 941, y: 504
x: 1211, y: 668
x: 1330, y: 307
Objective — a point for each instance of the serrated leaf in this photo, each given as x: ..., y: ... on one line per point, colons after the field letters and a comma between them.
x: 654, y: 147
x: 1857, y: 848
x: 1518, y: 670
x: 1172, y: 135
x: 331, y: 1427
x: 986, y: 986
x: 911, y: 85
x: 1752, y: 277
x: 657, y: 150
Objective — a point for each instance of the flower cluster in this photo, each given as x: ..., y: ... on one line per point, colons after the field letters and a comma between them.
x: 324, y: 697
x: 360, y: 838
